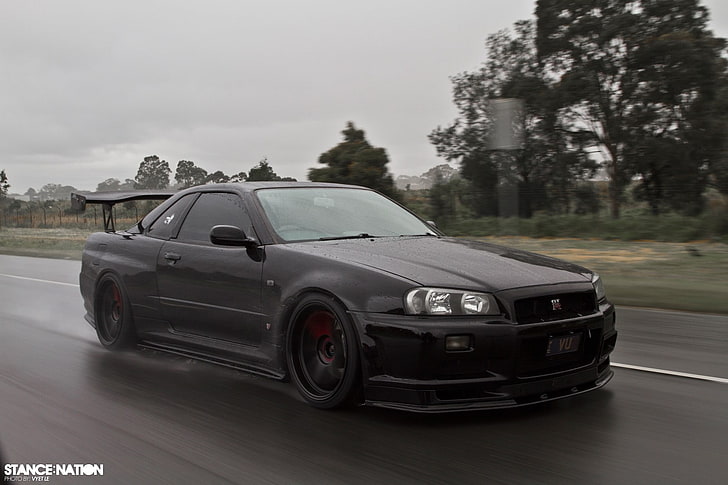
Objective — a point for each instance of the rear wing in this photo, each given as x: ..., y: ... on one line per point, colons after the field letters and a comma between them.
x: 109, y: 199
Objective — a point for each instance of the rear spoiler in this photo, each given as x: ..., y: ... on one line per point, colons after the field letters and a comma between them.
x: 109, y: 199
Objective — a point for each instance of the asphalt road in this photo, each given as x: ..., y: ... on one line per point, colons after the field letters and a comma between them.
x: 153, y: 418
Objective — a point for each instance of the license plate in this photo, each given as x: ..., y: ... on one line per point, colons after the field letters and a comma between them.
x: 563, y: 344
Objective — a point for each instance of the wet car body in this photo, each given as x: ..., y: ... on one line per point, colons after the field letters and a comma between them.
x: 333, y: 313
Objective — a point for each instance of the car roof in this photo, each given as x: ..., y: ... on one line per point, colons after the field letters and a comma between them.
x: 252, y: 186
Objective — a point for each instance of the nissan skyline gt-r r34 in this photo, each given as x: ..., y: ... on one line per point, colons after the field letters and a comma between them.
x: 347, y: 294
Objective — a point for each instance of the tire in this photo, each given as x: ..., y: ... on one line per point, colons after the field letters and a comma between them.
x: 322, y: 352
x: 114, y: 323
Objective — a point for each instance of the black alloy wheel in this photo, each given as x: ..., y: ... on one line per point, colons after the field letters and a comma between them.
x: 322, y: 352
x: 114, y: 325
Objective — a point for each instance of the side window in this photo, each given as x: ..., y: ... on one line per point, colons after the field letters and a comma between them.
x: 165, y: 226
x: 212, y: 209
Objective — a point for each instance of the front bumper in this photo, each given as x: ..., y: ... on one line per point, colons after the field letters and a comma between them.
x: 406, y: 365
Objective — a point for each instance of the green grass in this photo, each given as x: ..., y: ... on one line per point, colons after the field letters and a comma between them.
x: 689, y: 277
x: 679, y: 276
x: 50, y: 243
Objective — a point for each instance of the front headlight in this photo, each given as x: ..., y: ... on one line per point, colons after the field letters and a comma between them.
x: 598, y: 287
x: 441, y: 301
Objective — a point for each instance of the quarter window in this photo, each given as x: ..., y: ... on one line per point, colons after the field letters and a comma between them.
x: 166, y: 225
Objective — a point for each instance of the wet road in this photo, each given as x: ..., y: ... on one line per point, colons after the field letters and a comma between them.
x: 153, y: 418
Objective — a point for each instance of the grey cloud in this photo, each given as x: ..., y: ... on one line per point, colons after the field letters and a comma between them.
x: 90, y: 88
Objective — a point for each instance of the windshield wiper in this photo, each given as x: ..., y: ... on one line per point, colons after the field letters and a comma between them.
x: 362, y: 235
x: 427, y: 234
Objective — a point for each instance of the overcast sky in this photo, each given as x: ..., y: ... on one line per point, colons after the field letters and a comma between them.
x: 89, y: 88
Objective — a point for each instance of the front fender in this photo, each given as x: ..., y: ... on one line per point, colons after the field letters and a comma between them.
x: 358, y: 287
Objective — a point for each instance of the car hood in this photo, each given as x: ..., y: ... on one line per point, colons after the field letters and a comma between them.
x: 449, y: 262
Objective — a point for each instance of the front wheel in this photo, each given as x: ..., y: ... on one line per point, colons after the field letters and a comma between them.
x: 114, y: 324
x: 323, y: 356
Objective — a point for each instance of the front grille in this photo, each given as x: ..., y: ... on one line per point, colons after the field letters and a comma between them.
x: 562, y: 306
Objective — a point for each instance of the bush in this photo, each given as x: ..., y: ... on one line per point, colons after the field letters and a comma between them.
x: 631, y: 227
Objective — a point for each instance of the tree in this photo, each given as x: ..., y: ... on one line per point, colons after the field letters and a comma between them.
x: 4, y: 185
x: 446, y: 198
x: 56, y: 192
x: 239, y: 177
x: 548, y: 162
x: 188, y: 174
x: 264, y: 172
x: 109, y: 185
x: 713, y: 143
x: 674, y: 130
x: 153, y: 173
x: 630, y: 74
x: 355, y: 161
x: 115, y: 185
x: 217, y: 178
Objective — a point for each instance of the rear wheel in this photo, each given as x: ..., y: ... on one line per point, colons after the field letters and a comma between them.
x: 114, y: 325
x: 323, y: 356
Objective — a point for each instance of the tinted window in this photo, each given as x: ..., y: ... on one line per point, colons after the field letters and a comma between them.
x: 213, y: 209
x: 166, y: 225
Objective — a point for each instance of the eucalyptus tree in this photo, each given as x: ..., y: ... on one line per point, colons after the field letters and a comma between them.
x: 153, y: 173
x: 640, y: 79
x: 550, y: 159
x: 188, y: 174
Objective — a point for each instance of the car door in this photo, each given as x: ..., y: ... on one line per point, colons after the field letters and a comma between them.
x: 208, y: 290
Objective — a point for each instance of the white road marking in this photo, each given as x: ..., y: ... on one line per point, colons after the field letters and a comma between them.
x: 38, y: 280
x: 671, y: 373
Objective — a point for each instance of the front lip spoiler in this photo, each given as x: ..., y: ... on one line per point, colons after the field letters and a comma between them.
x: 501, y: 404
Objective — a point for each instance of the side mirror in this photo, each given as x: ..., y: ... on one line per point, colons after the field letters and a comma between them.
x: 230, y: 236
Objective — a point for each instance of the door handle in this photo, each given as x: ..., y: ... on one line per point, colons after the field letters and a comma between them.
x: 172, y: 257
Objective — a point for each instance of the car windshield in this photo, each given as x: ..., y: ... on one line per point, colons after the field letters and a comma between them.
x: 320, y: 213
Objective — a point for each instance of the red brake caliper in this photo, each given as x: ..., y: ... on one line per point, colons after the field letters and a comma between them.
x: 116, y: 309
x: 320, y: 326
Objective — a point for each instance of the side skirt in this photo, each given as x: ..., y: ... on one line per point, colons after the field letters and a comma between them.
x: 213, y: 359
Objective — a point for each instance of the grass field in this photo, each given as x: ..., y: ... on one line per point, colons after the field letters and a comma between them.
x: 681, y: 276
x: 49, y: 243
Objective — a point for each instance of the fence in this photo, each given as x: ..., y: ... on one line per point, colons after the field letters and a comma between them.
x: 57, y: 217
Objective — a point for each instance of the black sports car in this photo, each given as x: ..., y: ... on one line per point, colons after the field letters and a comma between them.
x: 347, y: 294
